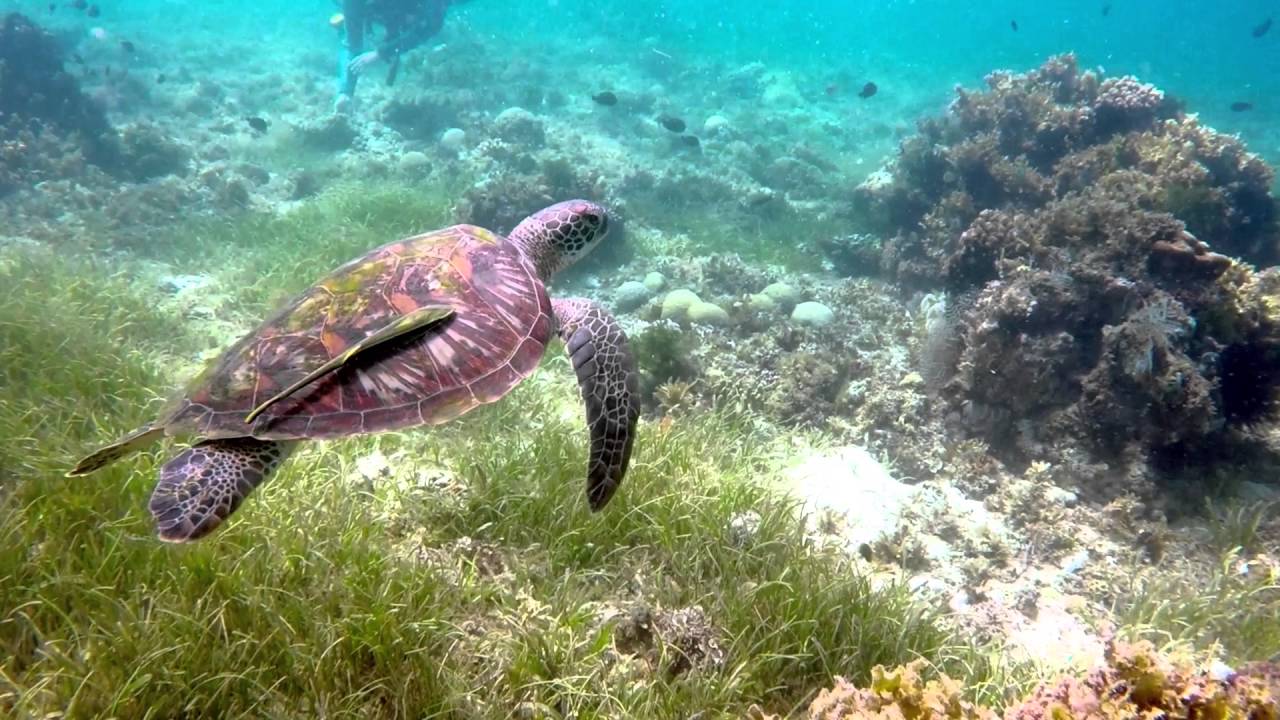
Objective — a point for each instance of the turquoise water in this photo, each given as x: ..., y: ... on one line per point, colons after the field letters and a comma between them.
x: 1202, y: 52
x: 276, y: 57
x: 916, y: 51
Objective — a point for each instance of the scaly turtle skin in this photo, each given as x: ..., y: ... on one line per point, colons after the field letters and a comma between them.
x: 416, y: 332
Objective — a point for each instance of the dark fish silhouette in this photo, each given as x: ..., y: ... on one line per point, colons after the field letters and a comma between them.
x: 92, y: 11
x: 160, y: 79
x: 79, y: 4
x: 1241, y: 106
x: 1106, y: 10
x: 75, y: 58
x: 605, y: 98
x: 1262, y: 28
x: 53, y: 7
x: 127, y: 46
x: 690, y: 140
x: 258, y: 124
x: 868, y: 90
x: 1014, y: 24
x: 674, y: 124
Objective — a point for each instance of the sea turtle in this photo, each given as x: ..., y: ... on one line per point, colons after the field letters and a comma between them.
x: 418, y: 331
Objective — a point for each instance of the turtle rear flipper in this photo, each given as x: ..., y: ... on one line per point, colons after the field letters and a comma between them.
x: 127, y: 445
x: 606, y: 372
x: 205, y: 483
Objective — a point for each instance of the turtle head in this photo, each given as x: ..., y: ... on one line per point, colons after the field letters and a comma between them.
x: 554, y: 238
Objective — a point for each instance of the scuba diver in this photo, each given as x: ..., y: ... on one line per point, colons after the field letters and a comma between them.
x: 406, y: 24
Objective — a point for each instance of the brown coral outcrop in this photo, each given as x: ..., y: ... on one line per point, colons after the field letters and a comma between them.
x: 1103, y: 243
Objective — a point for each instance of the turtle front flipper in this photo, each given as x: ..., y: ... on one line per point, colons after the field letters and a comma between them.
x: 419, y: 319
x: 606, y: 372
x: 205, y: 483
x: 127, y: 445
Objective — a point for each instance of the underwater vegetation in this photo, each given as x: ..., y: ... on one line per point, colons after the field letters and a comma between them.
x: 455, y: 575
x: 1232, y: 607
x: 1101, y: 246
x: 1079, y: 232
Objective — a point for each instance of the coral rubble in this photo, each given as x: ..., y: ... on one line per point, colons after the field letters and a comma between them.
x: 1101, y: 246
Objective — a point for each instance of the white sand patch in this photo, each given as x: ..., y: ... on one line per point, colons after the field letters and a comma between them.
x: 848, y: 491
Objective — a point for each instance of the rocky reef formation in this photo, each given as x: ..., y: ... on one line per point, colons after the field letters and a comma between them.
x: 1098, y: 248
x: 44, y: 116
x: 62, y: 160
x: 1135, y: 681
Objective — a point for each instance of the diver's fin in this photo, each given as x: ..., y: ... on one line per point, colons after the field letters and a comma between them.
x: 419, y: 319
x: 127, y: 445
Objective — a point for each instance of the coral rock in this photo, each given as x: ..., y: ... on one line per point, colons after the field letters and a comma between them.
x: 630, y: 295
x: 516, y: 124
x: 813, y: 313
x: 1087, y: 232
x: 707, y: 314
x: 676, y: 304
x: 38, y: 96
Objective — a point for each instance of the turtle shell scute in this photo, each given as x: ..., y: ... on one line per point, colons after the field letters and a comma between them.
x: 500, y: 328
